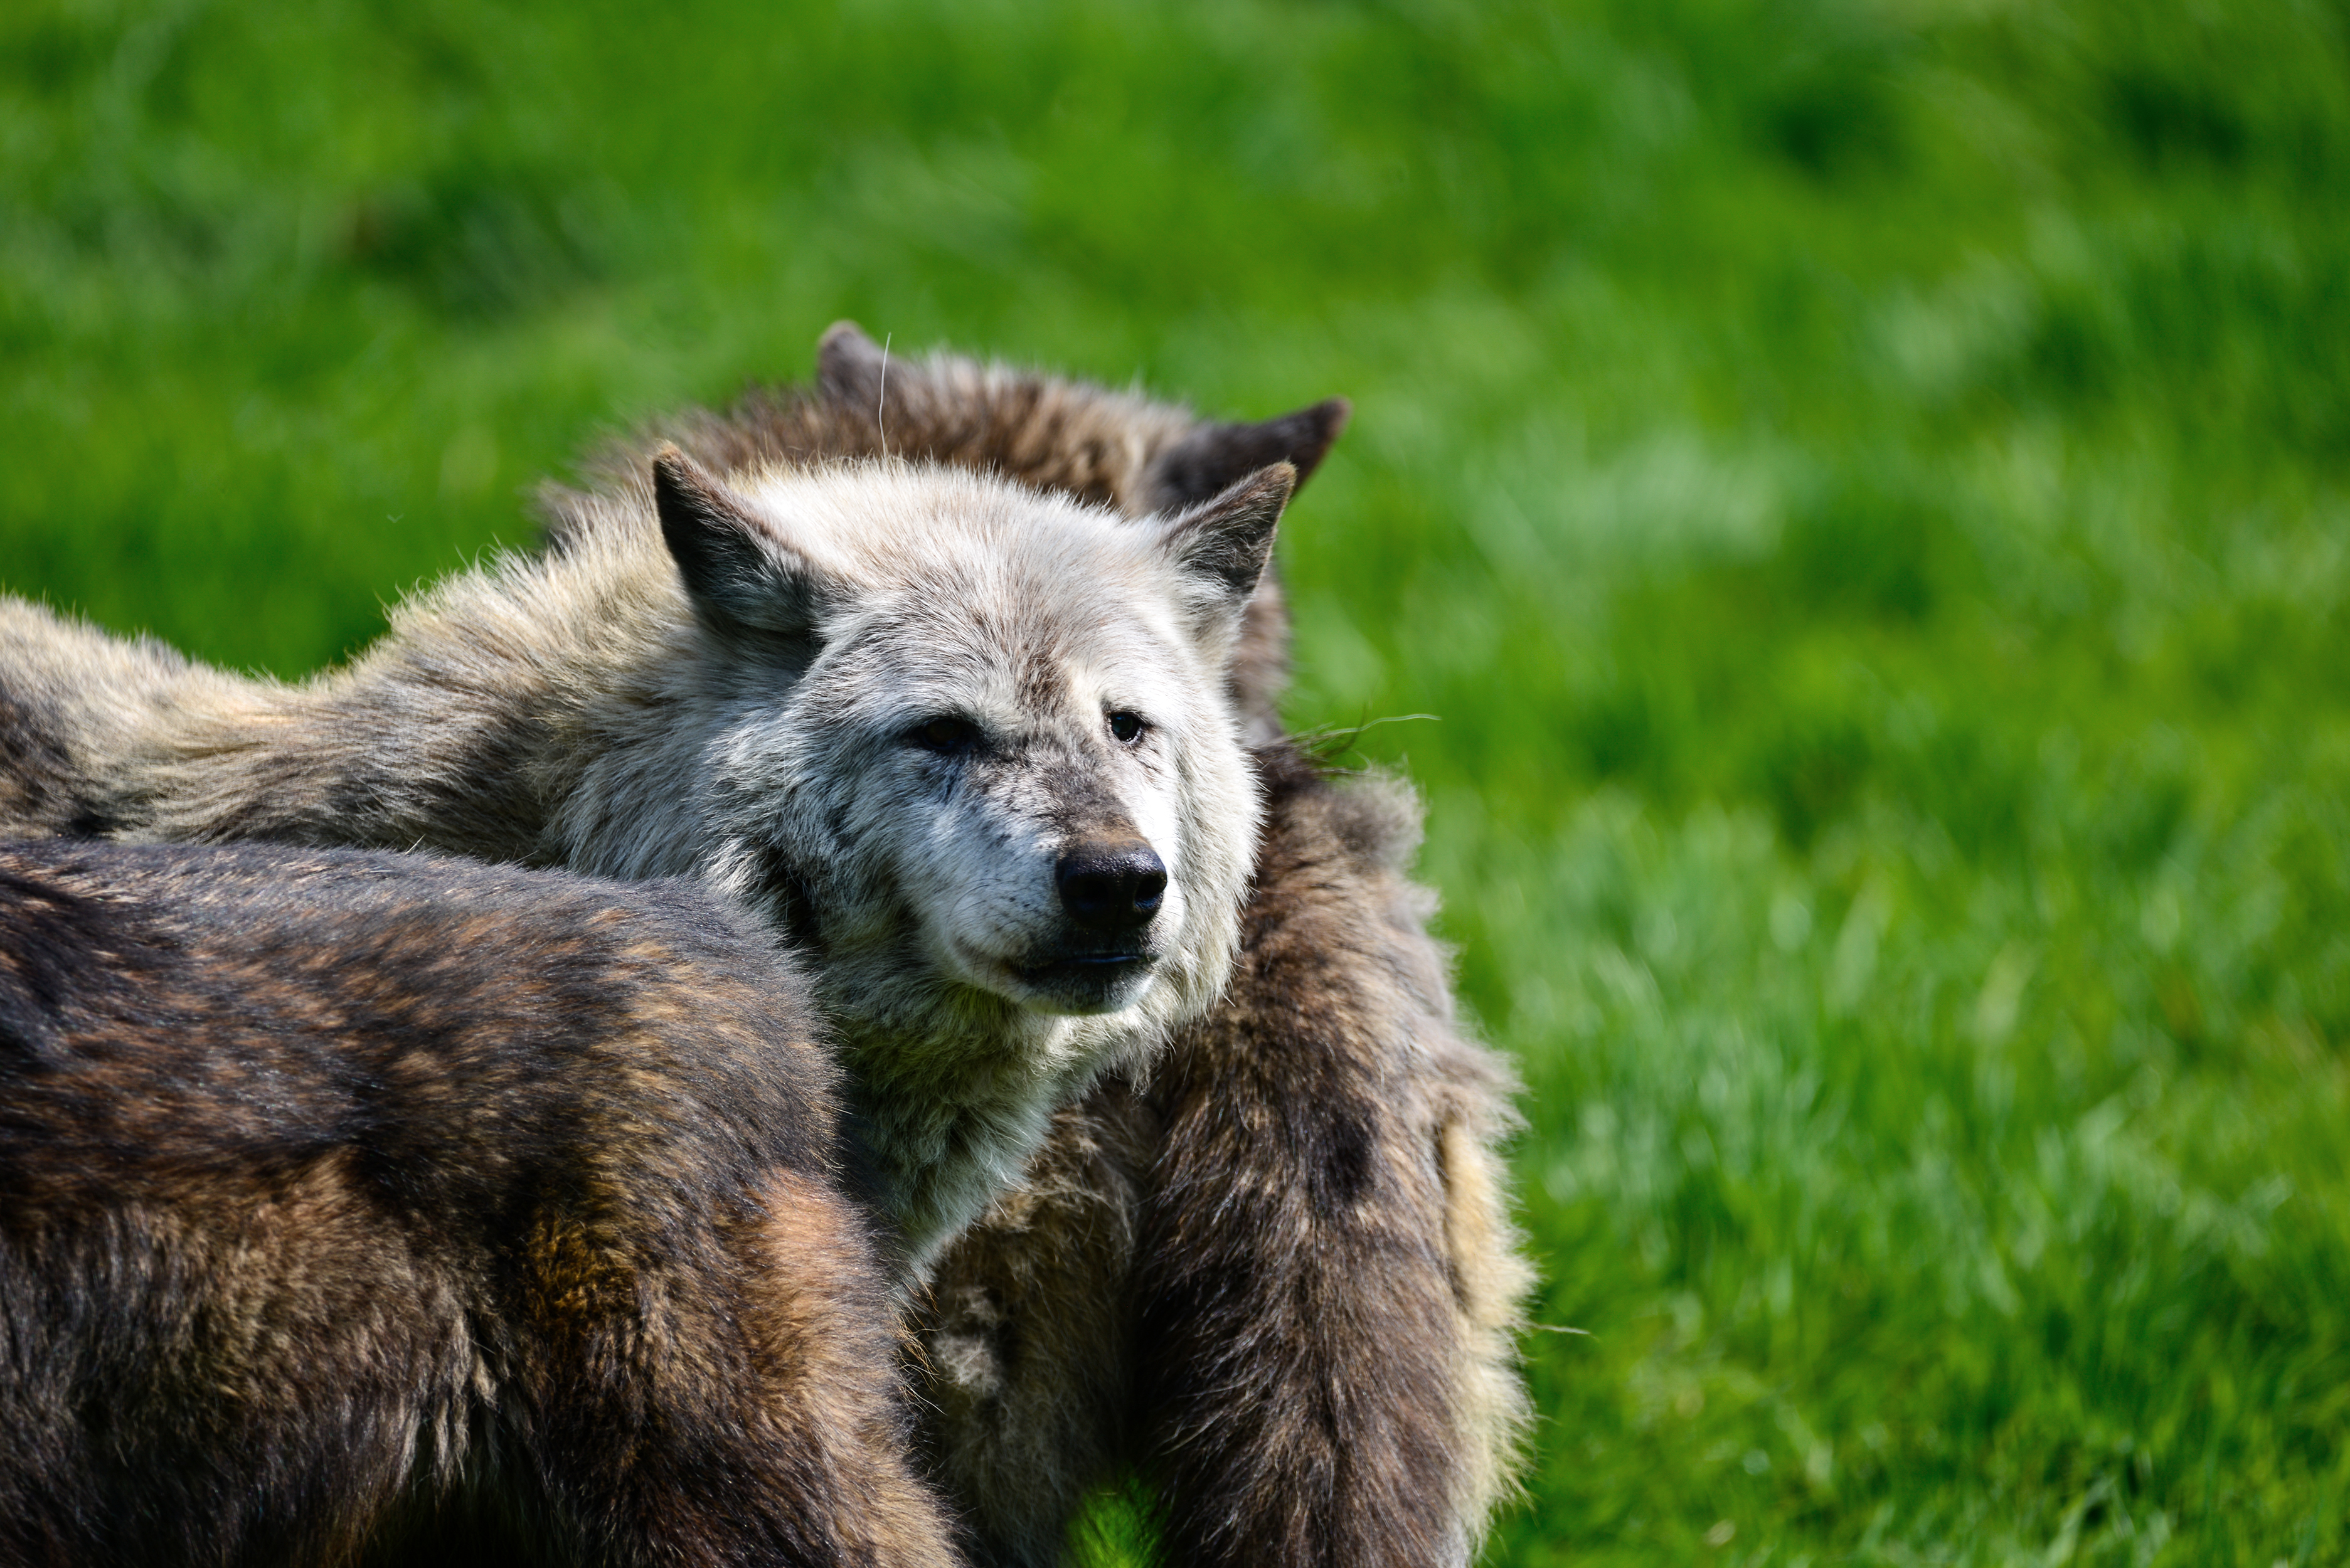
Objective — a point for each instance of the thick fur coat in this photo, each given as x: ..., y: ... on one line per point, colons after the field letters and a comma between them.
x: 1277, y: 1272
x: 967, y: 742
x: 370, y: 1208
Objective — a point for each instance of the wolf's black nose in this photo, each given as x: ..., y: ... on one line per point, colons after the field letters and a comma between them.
x: 1110, y: 883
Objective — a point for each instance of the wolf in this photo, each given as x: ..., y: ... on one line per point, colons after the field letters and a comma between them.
x: 368, y: 1207
x: 1278, y: 1274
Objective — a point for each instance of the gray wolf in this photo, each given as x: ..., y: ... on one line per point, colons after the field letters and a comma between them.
x: 1277, y: 1273
x: 358, y: 1207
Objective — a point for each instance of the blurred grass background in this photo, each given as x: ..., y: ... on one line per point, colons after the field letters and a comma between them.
x: 1861, y: 487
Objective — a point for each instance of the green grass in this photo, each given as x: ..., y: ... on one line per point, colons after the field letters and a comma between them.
x: 1862, y: 489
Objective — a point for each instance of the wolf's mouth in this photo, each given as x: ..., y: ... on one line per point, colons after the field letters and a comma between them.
x: 1092, y: 969
x: 1058, y: 980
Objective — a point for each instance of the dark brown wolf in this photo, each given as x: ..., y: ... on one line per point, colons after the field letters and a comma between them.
x: 1278, y: 1275
x: 364, y: 1207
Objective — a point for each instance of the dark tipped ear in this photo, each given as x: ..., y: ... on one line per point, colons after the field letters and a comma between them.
x: 1224, y: 545
x: 739, y: 575
x: 1214, y: 456
x: 850, y: 367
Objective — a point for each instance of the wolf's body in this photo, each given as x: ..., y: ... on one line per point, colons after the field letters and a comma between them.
x: 1279, y: 1272
x: 358, y: 1206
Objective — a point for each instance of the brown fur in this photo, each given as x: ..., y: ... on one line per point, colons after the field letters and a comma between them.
x: 358, y: 1207
x: 1030, y: 1330
x: 1319, y: 1366
x: 1318, y: 1335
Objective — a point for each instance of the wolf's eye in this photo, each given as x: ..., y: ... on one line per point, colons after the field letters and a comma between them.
x: 945, y: 735
x: 1127, y: 727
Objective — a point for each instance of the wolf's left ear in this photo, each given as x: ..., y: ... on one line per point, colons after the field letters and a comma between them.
x: 1213, y: 456
x: 1223, y: 545
x: 739, y: 577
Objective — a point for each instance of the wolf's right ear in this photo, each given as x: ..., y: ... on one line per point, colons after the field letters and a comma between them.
x: 1223, y: 545
x: 738, y: 574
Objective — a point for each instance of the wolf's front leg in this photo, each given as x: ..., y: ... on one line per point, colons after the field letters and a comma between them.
x: 1028, y: 1340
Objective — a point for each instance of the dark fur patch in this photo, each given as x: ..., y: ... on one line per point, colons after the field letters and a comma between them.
x: 362, y: 1205
x: 786, y: 890
x: 40, y: 787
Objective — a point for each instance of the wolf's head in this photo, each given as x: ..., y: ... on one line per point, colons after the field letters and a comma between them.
x: 973, y: 745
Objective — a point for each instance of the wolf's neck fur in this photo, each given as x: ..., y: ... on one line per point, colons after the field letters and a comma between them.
x: 563, y: 731
x: 951, y: 1118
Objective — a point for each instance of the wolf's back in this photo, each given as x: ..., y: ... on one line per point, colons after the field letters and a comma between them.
x: 361, y: 1206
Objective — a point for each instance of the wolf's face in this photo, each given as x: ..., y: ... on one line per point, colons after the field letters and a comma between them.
x: 990, y: 760
x: 1034, y: 773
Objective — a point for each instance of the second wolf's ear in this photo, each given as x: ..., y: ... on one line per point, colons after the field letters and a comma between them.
x: 1204, y: 463
x: 739, y: 575
x: 1222, y: 546
x: 851, y: 370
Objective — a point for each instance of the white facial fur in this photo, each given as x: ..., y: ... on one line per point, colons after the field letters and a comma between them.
x: 919, y: 696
